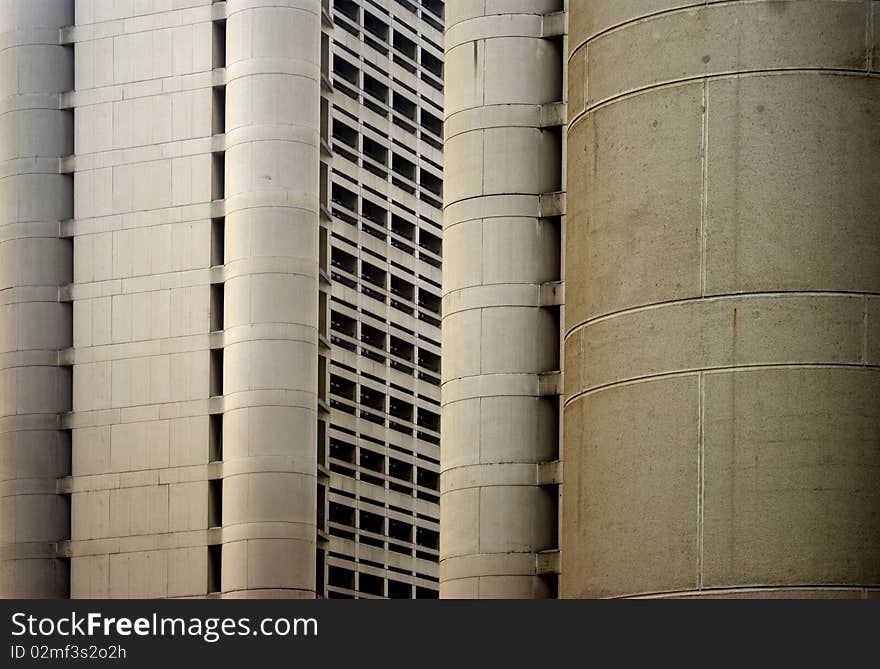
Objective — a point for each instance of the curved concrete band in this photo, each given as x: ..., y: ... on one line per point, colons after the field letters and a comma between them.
x: 34, y: 325
x: 271, y: 301
x: 497, y: 338
x: 722, y: 337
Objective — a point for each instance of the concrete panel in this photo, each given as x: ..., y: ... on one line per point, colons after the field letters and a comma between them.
x: 633, y: 231
x: 762, y: 158
x: 631, y: 490
x: 792, y: 458
x: 597, y: 17
x: 460, y: 522
x: 268, y: 565
x: 706, y: 334
x: 768, y: 35
x: 872, y: 331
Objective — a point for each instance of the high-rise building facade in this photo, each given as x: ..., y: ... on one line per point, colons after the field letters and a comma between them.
x: 385, y: 256
x: 221, y: 298
x: 219, y: 322
x: 662, y: 299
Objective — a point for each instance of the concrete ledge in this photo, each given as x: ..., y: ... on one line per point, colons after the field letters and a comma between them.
x: 494, y: 26
x: 488, y: 475
x: 493, y: 116
x: 492, y: 206
x: 555, y: 24
x: 494, y: 385
x: 32, y: 550
x: 487, y: 564
x: 492, y: 296
x: 718, y: 333
x: 298, y: 531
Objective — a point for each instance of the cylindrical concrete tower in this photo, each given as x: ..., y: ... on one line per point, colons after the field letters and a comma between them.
x: 722, y: 412
x: 498, y: 336
x: 34, y: 390
x: 271, y: 298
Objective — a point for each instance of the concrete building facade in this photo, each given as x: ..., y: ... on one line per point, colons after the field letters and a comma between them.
x: 385, y: 262
x: 222, y: 227
x: 721, y: 225
x: 169, y: 421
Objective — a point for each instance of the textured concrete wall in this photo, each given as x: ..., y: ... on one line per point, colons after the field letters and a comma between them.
x: 144, y: 186
x: 34, y: 390
x: 497, y: 338
x: 271, y: 313
x: 722, y: 347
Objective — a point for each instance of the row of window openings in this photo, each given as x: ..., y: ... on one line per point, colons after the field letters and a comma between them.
x: 342, y: 51
x: 348, y: 206
x: 369, y: 584
x: 393, y: 529
x: 393, y: 324
x: 364, y: 502
x: 372, y: 340
x: 375, y: 345
x: 378, y: 464
x: 435, y: 7
x: 348, y: 135
x: 375, y: 282
x: 380, y: 36
x: 377, y: 159
x: 346, y: 72
x: 376, y: 406
x: 365, y: 537
x: 378, y: 417
x: 424, y: 494
x: 350, y: 7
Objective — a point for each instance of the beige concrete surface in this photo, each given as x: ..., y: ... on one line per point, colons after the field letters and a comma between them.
x: 180, y: 153
x: 497, y: 336
x: 721, y: 416
x: 34, y: 324
x: 144, y: 180
x: 270, y: 371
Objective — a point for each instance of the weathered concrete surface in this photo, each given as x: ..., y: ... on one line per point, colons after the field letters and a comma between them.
x: 497, y: 336
x: 34, y: 325
x: 722, y: 417
x: 144, y: 180
x: 271, y: 327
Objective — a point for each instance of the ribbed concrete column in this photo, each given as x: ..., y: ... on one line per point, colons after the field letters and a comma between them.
x: 271, y: 311
x: 34, y: 262
x: 722, y: 419
x: 497, y: 337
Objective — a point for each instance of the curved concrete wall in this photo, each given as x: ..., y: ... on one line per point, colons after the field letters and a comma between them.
x: 34, y: 325
x: 722, y: 336
x: 497, y: 338
x: 271, y: 308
